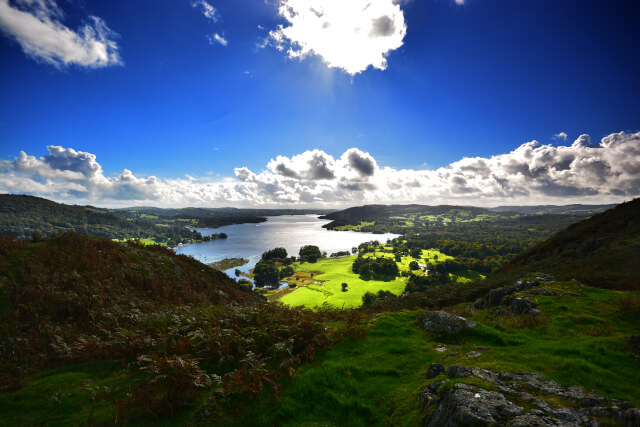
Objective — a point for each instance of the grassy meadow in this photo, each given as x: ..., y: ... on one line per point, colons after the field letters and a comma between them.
x: 320, y: 283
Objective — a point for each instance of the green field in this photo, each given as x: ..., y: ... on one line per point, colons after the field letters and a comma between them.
x: 330, y: 273
x: 328, y: 289
x: 353, y: 227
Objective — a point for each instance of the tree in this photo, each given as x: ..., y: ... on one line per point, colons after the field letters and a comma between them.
x: 310, y: 253
x: 413, y: 265
x: 416, y: 252
x: 266, y: 274
x: 275, y: 254
x: 344, y: 287
x: 287, y: 271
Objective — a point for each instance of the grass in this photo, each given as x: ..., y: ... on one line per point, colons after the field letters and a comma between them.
x: 377, y: 380
x: 354, y: 227
x: 580, y: 339
x: 325, y: 287
x: 71, y: 395
x: 321, y: 282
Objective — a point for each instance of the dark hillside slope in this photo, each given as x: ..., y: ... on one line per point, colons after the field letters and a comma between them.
x: 23, y: 216
x: 602, y: 251
x: 75, y: 284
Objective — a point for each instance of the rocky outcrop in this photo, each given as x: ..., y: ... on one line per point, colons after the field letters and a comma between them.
x: 503, y: 295
x: 518, y: 399
x: 521, y: 305
x: 442, y: 323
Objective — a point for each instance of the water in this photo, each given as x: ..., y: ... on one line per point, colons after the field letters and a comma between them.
x: 291, y: 232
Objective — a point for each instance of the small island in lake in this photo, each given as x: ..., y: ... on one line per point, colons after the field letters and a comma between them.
x: 228, y: 263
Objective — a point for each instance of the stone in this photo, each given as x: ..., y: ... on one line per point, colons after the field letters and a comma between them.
x: 459, y: 372
x: 494, y: 296
x: 434, y: 370
x: 464, y: 404
x: 535, y: 312
x: 442, y: 323
x: 474, y: 354
x: 521, y: 305
x: 460, y: 406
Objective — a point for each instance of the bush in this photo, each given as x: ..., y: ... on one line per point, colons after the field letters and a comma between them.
x: 279, y: 254
x: 413, y: 265
x: 344, y: 287
x: 310, y: 253
x: 375, y: 268
x: 171, y: 383
x: 266, y: 274
x: 286, y: 272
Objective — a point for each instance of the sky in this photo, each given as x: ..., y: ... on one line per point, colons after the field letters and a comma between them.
x: 327, y: 103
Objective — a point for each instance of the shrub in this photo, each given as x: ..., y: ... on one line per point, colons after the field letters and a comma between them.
x: 413, y: 265
x: 265, y: 273
x: 310, y: 253
x: 344, y: 287
x: 275, y: 254
x: 169, y: 384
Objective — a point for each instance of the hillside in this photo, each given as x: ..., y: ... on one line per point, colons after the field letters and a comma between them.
x: 602, y: 251
x: 24, y: 216
x: 142, y: 317
x: 553, y: 209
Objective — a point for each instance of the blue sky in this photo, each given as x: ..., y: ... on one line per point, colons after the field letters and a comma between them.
x: 469, y: 79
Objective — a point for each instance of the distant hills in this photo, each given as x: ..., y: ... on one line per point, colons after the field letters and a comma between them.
x: 602, y: 251
x: 23, y: 216
x: 553, y: 209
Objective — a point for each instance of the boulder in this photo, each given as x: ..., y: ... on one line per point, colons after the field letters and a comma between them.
x: 442, y: 323
x: 464, y: 405
x: 521, y: 305
x: 434, y: 370
x: 498, y: 402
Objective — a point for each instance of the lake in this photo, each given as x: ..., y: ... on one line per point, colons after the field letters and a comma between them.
x: 287, y: 231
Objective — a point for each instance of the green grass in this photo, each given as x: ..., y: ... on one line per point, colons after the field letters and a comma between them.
x: 377, y: 380
x: 580, y: 339
x: 328, y: 290
x: 353, y: 227
x: 70, y: 395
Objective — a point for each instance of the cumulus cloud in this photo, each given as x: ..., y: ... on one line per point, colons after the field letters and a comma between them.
x: 604, y: 172
x: 561, y: 135
x: 217, y: 38
x: 37, y: 26
x: 350, y: 35
x: 210, y: 12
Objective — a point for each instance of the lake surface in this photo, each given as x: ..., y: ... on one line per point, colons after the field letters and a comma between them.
x: 287, y: 231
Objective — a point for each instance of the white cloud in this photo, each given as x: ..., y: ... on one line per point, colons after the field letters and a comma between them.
x: 350, y: 35
x: 217, y: 38
x: 561, y: 135
x: 207, y: 10
x: 460, y: 2
x: 36, y: 25
x: 587, y: 172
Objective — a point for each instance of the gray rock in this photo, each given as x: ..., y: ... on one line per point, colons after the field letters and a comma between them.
x: 535, y: 312
x: 479, y: 304
x: 494, y: 296
x: 521, y: 305
x: 464, y: 405
x: 441, y: 323
x: 434, y: 370
x: 500, y: 312
x: 542, y: 291
x: 460, y: 372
